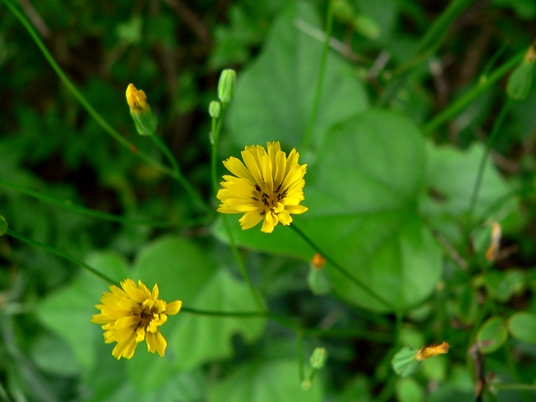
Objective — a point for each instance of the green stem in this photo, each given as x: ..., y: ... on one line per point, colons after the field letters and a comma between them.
x: 341, y: 270
x: 320, y: 80
x: 483, y: 83
x: 178, y: 173
x: 428, y: 45
x: 489, y: 145
x: 61, y: 254
x: 98, y: 118
x: 241, y: 264
x: 518, y: 387
x: 301, y: 362
x: 216, y: 129
x: 66, y: 204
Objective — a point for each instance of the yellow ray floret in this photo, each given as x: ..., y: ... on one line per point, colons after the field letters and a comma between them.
x: 266, y: 186
x: 133, y: 314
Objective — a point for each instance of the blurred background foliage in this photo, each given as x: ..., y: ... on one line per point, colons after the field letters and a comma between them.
x: 384, y: 198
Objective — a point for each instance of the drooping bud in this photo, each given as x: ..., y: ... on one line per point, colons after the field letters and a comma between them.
x: 140, y: 111
x: 214, y: 109
x: 226, y: 86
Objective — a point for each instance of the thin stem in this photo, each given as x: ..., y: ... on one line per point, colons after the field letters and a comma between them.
x: 320, y: 80
x: 61, y: 254
x: 525, y: 387
x: 98, y: 118
x: 428, y: 45
x: 483, y: 83
x: 489, y: 145
x: 241, y: 265
x: 178, y: 173
x: 216, y: 129
x: 301, y: 362
x: 66, y: 204
x: 339, y: 268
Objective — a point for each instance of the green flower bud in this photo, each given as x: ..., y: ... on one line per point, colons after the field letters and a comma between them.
x: 3, y: 225
x: 343, y: 11
x: 318, y: 358
x: 140, y: 111
x: 214, y: 109
x: 367, y: 27
x: 318, y: 281
x: 226, y: 86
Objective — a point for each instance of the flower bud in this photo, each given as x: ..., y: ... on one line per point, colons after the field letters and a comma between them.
x: 226, y: 86
x: 214, y: 109
x: 140, y: 111
x: 318, y: 281
x: 3, y: 225
x: 318, y: 358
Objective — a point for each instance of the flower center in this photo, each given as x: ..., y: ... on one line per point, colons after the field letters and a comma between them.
x: 267, y: 201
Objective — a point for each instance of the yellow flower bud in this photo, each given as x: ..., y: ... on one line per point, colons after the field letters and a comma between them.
x: 137, y: 100
x: 140, y: 111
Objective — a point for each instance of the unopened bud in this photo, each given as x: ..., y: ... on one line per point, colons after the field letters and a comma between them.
x: 343, y: 11
x: 318, y: 358
x: 226, y: 86
x: 493, y: 249
x: 367, y: 27
x: 318, y: 262
x: 140, y: 111
x: 214, y: 109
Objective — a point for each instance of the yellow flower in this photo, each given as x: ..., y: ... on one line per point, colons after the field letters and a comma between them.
x: 133, y: 314
x: 269, y: 186
x: 431, y: 351
x: 136, y: 99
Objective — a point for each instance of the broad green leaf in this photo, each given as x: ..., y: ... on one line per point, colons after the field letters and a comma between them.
x: 522, y: 326
x: 274, y: 97
x: 492, y: 334
x: 266, y: 381
x: 68, y: 312
x: 184, y: 272
x: 362, y: 194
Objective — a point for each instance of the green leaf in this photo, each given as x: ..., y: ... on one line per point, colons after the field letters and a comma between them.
x: 68, y: 312
x: 404, y: 362
x: 409, y: 390
x: 184, y: 272
x: 451, y: 176
x: 522, y: 326
x: 362, y: 194
x: 274, y: 97
x: 265, y: 382
x: 492, y: 335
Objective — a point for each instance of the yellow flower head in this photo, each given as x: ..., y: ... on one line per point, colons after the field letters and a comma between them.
x: 133, y: 314
x: 269, y: 186
x: 137, y: 100
x: 431, y: 351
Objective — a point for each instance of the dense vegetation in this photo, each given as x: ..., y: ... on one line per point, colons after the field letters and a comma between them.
x: 417, y: 122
